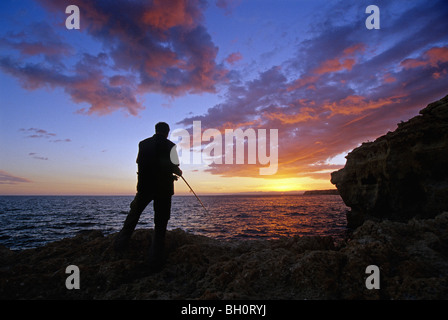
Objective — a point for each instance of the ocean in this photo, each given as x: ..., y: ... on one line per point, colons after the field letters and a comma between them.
x: 32, y: 221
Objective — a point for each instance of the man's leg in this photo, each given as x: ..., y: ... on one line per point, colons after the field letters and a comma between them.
x: 162, y: 211
x: 139, y: 204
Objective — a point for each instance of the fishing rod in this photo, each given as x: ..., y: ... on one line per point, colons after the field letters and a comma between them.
x: 194, y: 194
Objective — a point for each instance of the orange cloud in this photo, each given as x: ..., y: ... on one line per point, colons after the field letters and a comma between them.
x: 437, y: 55
x: 305, y: 114
x: 234, y: 57
x: 432, y: 57
x: 350, y: 105
x: 335, y: 65
x: 413, y: 63
x: 357, y: 104
x: 344, y: 62
x: 301, y: 82
x: 388, y: 78
x: 438, y: 75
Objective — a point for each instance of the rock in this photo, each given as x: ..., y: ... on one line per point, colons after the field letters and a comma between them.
x: 412, y: 257
x: 401, y: 175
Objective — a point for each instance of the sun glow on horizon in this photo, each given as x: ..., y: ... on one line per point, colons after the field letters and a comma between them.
x: 294, y: 184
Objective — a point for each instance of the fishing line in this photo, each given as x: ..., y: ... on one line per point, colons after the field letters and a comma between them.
x: 194, y: 194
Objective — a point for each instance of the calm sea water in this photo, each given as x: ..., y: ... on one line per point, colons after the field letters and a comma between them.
x: 33, y: 221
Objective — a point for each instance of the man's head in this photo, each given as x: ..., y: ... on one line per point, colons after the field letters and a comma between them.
x: 163, y: 128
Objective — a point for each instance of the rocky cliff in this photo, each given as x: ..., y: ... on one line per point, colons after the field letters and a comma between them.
x: 402, y: 174
x: 412, y: 258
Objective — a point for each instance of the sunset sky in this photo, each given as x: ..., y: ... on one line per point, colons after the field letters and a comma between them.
x: 75, y: 103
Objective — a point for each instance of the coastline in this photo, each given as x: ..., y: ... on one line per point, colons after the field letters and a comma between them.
x: 411, y: 257
x: 330, y: 192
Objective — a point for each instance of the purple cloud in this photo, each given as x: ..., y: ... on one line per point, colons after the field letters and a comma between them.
x: 36, y: 156
x: 41, y: 133
x: 37, y: 133
x: 7, y: 178
x: 148, y: 47
x: 161, y: 43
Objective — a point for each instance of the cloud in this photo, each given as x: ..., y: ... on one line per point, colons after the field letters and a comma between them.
x: 346, y: 61
x: 228, y: 5
x: 61, y: 140
x: 431, y: 58
x: 37, y: 133
x: 39, y: 39
x: 163, y: 41
x: 234, y: 58
x: 41, y: 133
x: 338, y: 91
x: 355, y: 104
x: 147, y: 47
x: 244, y: 102
x: 86, y: 84
x: 36, y: 156
x: 7, y: 178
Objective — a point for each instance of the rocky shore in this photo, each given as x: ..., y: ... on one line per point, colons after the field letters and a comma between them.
x: 412, y: 258
x: 396, y: 186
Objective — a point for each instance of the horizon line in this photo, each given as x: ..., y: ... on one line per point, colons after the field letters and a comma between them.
x: 295, y: 192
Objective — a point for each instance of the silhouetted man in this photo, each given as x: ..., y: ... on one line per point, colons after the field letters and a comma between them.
x: 155, y: 183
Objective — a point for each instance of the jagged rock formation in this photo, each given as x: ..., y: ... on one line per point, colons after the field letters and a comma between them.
x: 412, y: 258
x: 402, y: 174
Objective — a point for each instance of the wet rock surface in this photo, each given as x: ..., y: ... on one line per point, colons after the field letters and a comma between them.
x: 412, y: 257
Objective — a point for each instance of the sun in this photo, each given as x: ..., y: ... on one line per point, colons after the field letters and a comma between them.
x: 282, y: 185
x: 294, y: 184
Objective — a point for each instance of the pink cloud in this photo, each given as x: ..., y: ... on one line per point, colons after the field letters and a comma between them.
x: 304, y: 81
x: 437, y: 55
x: 344, y: 62
x: 413, y: 63
x: 388, y: 78
x: 164, y: 15
x: 234, y: 57
x: 432, y: 57
x: 335, y: 65
x: 7, y: 178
